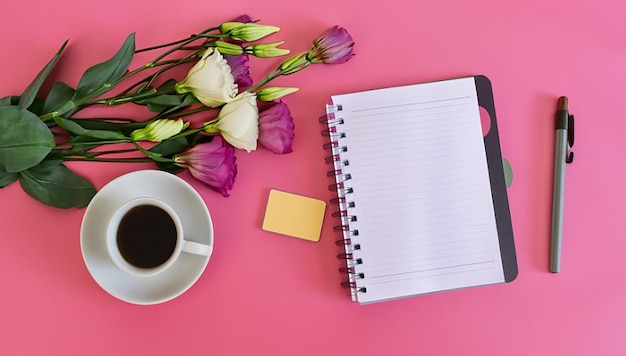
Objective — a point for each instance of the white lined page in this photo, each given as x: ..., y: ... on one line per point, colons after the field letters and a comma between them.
x: 421, y: 189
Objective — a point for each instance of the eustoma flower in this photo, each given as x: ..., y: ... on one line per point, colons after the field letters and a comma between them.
x: 245, y: 18
x: 238, y: 113
x: 237, y: 122
x: 332, y: 47
x: 276, y: 129
x: 210, y: 80
x: 240, y: 69
x: 212, y: 163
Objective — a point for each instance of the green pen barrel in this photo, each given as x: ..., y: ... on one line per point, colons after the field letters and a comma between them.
x: 558, y: 191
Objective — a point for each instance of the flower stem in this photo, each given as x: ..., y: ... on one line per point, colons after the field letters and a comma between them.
x: 273, y: 75
x: 80, y: 102
x: 122, y: 99
x: 99, y: 153
x: 193, y: 111
x: 98, y: 143
x: 181, y: 45
x: 152, y: 155
x: 175, y: 42
x: 148, y: 81
x: 186, y: 133
x: 97, y: 159
x: 170, y: 63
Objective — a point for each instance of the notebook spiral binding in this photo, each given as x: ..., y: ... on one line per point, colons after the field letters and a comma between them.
x: 345, y: 214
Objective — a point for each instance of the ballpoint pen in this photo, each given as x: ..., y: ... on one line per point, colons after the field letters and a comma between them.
x: 564, y: 127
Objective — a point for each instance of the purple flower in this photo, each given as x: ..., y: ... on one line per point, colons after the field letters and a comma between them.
x: 332, y: 47
x: 240, y: 69
x: 212, y: 163
x: 276, y: 129
x: 245, y: 18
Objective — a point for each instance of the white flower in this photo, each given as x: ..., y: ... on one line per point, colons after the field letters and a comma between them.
x: 210, y: 80
x: 238, y: 122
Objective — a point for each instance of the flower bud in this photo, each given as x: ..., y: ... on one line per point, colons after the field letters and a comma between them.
x: 227, y: 26
x: 247, y: 31
x: 159, y: 130
x: 228, y: 48
x: 273, y: 93
x: 294, y: 64
x: 266, y: 50
x: 332, y: 47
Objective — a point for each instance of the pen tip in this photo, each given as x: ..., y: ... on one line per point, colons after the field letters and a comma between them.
x: 562, y: 103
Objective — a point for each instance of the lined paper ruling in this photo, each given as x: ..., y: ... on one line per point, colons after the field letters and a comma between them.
x: 414, y: 186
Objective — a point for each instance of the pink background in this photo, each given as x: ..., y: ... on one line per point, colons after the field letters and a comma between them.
x: 267, y: 294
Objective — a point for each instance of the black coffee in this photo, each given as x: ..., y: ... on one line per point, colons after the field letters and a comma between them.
x: 146, y: 236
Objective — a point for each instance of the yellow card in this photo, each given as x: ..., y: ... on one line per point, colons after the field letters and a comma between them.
x: 294, y: 215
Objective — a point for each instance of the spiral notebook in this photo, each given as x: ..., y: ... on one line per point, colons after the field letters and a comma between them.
x: 421, y: 191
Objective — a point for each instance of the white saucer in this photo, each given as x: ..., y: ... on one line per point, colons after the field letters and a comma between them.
x: 193, y: 214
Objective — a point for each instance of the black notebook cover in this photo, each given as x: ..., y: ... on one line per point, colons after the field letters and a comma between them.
x: 498, y: 183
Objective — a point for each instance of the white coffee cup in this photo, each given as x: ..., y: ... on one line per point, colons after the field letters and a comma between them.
x: 143, y: 247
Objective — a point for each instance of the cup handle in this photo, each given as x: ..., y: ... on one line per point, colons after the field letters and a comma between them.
x: 197, y: 248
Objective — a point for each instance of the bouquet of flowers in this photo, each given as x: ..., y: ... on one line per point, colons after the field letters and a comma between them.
x: 38, y: 133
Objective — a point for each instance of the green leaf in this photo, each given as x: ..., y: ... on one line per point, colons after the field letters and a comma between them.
x: 156, y: 157
x: 9, y: 100
x: 59, y: 95
x: 99, y: 124
x: 7, y: 178
x: 24, y: 139
x: 31, y: 91
x: 53, y: 184
x: 83, y: 144
x: 164, y: 100
x: 99, y: 79
x: 169, y: 101
x: 171, y: 147
x: 37, y: 107
x: 168, y: 87
x: 75, y: 128
x: 169, y: 167
x: 167, y: 98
